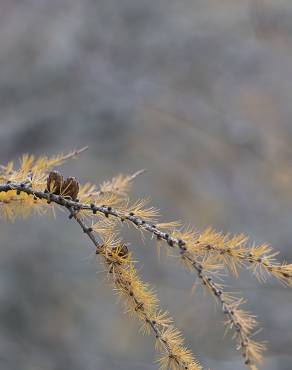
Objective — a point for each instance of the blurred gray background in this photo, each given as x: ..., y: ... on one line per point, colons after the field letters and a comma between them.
x: 196, y: 91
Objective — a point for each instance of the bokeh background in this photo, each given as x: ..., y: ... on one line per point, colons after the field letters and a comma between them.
x: 196, y: 91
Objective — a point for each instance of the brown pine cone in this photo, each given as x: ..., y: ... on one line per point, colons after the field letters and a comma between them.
x: 70, y: 188
x: 54, y: 182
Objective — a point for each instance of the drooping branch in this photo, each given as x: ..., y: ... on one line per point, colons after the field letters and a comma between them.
x: 142, y: 301
x: 242, y: 322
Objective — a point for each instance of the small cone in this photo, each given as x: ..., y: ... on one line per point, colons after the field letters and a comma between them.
x: 70, y: 188
x: 54, y: 182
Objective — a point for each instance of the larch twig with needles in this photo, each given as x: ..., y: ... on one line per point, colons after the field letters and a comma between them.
x: 237, y: 319
x: 34, y: 187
